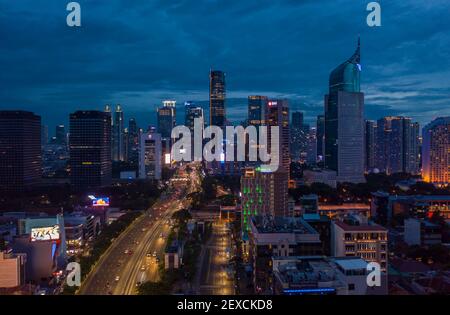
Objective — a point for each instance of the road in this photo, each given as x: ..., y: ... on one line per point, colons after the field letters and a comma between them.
x: 130, y: 259
x: 215, y: 278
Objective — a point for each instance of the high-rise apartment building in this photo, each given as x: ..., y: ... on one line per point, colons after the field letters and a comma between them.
x: 278, y: 115
x: 320, y: 125
x: 20, y: 150
x: 436, y: 151
x: 397, y: 145
x: 371, y: 144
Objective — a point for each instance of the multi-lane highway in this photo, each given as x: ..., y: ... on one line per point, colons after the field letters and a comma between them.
x: 133, y: 257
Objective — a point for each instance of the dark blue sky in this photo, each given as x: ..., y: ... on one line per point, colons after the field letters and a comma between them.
x: 139, y: 52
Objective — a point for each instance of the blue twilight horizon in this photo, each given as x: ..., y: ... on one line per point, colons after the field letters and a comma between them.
x: 141, y: 52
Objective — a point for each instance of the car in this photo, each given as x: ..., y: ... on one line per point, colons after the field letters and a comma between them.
x: 154, y: 254
x: 117, y: 278
x: 126, y: 251
x: 149, y: 255
x: 143, y: 268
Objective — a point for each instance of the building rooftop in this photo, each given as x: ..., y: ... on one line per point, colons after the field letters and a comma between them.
x: 282, y: 225
x: 365, y: 227
x: 351, y: 263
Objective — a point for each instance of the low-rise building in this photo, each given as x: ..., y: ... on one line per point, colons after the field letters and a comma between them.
x: 318, y: 275
x: 173, y: 257
x: 327, y: 177
x: 279, y: 236
x: 422, y: 232
x: 12, y: 269
x: 368, y: 241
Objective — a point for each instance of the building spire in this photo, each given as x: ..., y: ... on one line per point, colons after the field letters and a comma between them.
x: 356, y: 58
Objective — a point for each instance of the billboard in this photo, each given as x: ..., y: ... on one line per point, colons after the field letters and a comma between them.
x: 50, y: 233
x: 100, y: 202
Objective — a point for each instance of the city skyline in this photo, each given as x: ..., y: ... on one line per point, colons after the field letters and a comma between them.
x: 129, y: 58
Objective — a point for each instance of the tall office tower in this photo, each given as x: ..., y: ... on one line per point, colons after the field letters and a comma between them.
x: 397, y: 145
x: 150, y: 155
x: 118, y: 151
x: 344, y: 122
x: 44, y: 135
x: 217, y: 98
x: 311, y: 150
x: 166, y: 119
x: 192, y: 111
x: 133, y: 143
x: 320, y: 128
x: 298, y: 136
x: 371, y: 142
x: 60, y: 135
x: 436, y: 151
x: 263, y: 193
x: 278, y: 115
x: 90, y: 149
x: 257, y: 109
x: 20, y: 150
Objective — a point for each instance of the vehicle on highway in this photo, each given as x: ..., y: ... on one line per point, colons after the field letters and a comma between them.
x: 154, y: 253
x: 143, y: 268
x: 117, y: 278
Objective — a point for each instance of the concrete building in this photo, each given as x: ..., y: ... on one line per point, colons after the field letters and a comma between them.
x: 317, y: 275
x: 422, y: 232
x: 280, y: 236
x: 12, y: 269
x: 368, y: 241
x: 263, y: 193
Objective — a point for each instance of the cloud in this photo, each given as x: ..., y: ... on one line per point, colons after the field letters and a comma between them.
x: 138, y: 53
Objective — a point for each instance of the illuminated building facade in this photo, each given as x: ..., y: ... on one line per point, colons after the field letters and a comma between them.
x: 166, y: 119
x: 150, y: 156
x: 436, y: 151
x: 217, y: 98
x: 344, y: 122
x: 90, y: 149
x: 278, y: 115
x: 366, y: 241
x: 263, y: 193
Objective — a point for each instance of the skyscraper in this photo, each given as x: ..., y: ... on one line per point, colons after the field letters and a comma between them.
x: 257, y: 108
x: 344, y: 121
x: 150, y: 155
x: 397, y: 145
x: 60, y: 135
x: 278, y: 115
x: 44, y: 135
x: 118, y: 148
x: 298, y: 136
x: 90, y: 149
x: 320, y: 127
x: 371, y: 144
x: 133, y: 143
x: 436, y: 151
x: 217, y: 98
x: 20, y: 150
x: 192, y: 111
x: 166, y: 119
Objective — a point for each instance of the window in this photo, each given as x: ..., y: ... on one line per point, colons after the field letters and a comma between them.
x: 351, y: 287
